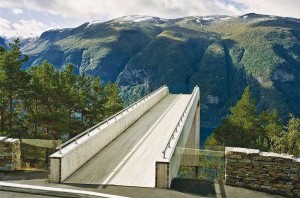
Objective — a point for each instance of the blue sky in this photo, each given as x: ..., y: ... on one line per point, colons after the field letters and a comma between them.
x: 28, y: 18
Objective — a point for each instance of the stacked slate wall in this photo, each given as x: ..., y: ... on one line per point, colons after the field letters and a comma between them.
x: 10, y: 154
x: 263, y: 171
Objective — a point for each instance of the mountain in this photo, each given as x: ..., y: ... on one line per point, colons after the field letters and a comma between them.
x: 2, y: 42
x: 221, y: 54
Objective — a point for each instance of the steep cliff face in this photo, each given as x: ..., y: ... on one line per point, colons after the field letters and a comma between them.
x: 2, y: 42
x: 221, y: 54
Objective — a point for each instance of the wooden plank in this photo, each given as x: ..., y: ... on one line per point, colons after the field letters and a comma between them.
x: 139, y: 170
x: 102, y: 164
x: 130, y: 159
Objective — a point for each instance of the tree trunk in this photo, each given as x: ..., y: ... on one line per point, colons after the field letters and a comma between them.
x: 69, y: 124
x: 46, y: 156
x: 10, y: 113
x: 35, y: 121
x: 2, y: 120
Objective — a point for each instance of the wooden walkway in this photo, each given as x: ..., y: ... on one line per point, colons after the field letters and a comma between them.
x: 130, y: 159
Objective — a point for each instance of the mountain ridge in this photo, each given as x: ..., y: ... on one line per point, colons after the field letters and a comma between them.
x: 221, y: 54
x: 2, y: 42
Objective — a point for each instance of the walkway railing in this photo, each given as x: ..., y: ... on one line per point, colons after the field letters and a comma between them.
x: 86, y: 132
x: 183, y: 118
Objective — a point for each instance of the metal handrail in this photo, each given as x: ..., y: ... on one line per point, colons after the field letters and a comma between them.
x: 74, y: 139
x: 178, y: 124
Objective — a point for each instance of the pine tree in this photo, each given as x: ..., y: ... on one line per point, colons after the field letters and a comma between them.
x: 44, y: 106
x: 69, y: 96
x: 240, y: 127
x: 244, y: 127
x: 42, y: 102
x: 271, y: 128
x: 83, y: 91
x: 113, y: 101
x: 289, y: 140
x: 11, y: 81
x: 95, y: 110
x: 3, y: 93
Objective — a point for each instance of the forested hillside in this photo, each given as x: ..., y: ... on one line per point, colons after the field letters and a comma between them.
x: 221, y: 54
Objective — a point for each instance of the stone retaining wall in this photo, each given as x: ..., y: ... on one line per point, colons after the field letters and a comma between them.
x: 10, y: 154
x: 263, y: 171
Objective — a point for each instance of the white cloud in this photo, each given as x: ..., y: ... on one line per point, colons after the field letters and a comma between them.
x: 5, y: 25
x: 17, y: 11
x: 287, y: 8
x: 23, y: 28
x: 69, y: 13
x: 96, y: 9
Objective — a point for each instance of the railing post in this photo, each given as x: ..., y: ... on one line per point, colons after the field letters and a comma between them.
x: 169, y: 146
x: 164, y: 154
x: 74, y: 139
x: 182, y: 118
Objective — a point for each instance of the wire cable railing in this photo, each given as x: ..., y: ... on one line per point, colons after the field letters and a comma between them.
x: 113, y: 117
x: 182, y: 117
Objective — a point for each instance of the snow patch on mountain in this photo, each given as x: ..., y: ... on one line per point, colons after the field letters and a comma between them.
x: 204, y: 19
x: 209, y: 18
x: 93, y: 23
x: 227, y: 18
x: 138, y: 18
x: 144, y: 19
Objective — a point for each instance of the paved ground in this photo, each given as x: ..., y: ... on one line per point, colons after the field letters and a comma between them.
x: 223, y: 191
x: 130, y: 159
x: 204, y: 189
x: 135, y: 192
x: 7, y: 194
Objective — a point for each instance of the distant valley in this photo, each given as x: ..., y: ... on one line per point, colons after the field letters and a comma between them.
x: 221, y: 54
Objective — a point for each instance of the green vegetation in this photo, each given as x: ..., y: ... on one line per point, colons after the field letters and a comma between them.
x: 288, y: 140
x: 247, y: 128
x: 46, y: 103
x: 211, y: 165
x: 222, y: 56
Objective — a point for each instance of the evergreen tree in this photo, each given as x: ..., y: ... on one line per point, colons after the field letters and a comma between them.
x: 69, y: 97
x: 289, y: 140
x: 83, y: 91
x: 271, y: 128
x: 95, y: 110
x: 240, y: 127
x: 113, y: 101
x: 44, y: 106
x: 244, y: 127
x: 11, y: 83
x: 42, y: 102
